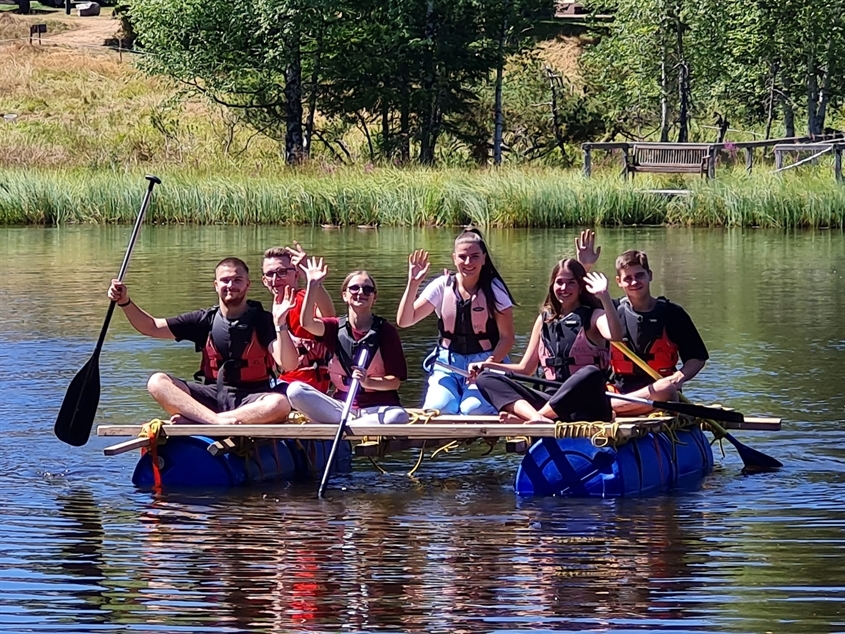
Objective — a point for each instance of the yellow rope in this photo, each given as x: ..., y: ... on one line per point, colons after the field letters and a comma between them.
x: 421, y: 415
x: 152, y: 430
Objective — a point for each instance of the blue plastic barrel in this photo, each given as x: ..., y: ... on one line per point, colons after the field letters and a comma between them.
x: 651, y: 464
x: 184, y: 462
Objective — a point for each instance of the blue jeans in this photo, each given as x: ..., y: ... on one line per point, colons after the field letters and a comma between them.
x: 448, y: 392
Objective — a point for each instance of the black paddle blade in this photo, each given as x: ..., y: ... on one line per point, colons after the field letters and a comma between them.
x: 753, y: 460
x: 76, y: 417
x: 700, y: 411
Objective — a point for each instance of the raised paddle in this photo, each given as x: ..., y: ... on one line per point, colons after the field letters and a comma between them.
x: 344, y: 416
x: 752, y: 459
x: 76, y: 416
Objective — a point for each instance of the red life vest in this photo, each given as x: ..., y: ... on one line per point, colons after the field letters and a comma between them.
x: 467, y: 326
x: 565, y: 348
x: 348, y: 348
x: 247, y: 361
x: 313, y: 355
x: 645, y: 334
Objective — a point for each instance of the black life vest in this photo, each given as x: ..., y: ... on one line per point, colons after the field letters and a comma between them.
x: 564, y: 346
x: 645, y: 334
x: 348, y: 348
x: 240, y: 360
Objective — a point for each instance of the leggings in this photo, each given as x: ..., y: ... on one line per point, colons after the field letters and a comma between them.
x: 580, y: 398
x: 321, y: 408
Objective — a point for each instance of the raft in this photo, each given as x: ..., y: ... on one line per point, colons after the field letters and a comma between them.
x: 629, y: 457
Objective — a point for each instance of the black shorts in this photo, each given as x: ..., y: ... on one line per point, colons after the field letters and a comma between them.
x: 233, y: 398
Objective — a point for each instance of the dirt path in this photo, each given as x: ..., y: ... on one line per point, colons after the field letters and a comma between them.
x: 90, y: 31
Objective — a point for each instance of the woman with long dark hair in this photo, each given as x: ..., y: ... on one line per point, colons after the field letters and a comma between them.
x: 474, y: 311
x: 569, y: 343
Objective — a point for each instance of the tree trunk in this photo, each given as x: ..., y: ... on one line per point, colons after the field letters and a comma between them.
x: 24, y: 7
x: 683, y: 103
x: 405, y: 127
x: 498, y: 114
x: 664, y: 99
x: 824, y: 93
x: 385, y: 127
x: 770, y: 110
x: 312, y: 99
x: 428, y: 93
x: 812, y: 94
x: 293, y: 105
x: 788, y: 110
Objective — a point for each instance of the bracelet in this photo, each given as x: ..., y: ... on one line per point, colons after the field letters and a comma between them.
x: 126, y: 303
x: 283, y: 328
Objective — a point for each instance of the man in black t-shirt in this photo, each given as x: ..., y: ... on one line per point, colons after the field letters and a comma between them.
x: 659, y: 332
x: 240, y: 342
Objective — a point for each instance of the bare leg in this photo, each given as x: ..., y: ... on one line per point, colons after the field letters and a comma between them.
x: 661, y: 390
x: 172, y: 394
x: 524, y: 410
x: 269, y: 408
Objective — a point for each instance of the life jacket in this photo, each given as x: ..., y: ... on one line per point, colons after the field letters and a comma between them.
x: 467, y: 326
x: 347, y: 349
x: 645, y: 334
x: 245, y: 361
x: 565, y: 348
x: 314, y: 356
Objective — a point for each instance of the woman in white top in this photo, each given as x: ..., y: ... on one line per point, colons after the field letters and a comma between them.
x: 474, y: 311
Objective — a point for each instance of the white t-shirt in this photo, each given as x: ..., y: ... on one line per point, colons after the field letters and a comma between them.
x: 433, y: 293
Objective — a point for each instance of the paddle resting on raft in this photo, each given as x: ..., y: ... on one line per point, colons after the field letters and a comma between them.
x: 752, y: 459
x: 79, y: 407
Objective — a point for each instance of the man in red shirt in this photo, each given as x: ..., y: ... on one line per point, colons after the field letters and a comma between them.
x: 280, y: 271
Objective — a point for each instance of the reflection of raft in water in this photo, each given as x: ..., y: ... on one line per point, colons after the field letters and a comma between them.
x: 631, y: 456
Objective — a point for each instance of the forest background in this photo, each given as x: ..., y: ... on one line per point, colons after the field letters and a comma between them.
x: 415, y: 100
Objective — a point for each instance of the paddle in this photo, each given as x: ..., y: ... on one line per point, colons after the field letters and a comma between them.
x: 79, y: 407
x: 344, y: 416
x: 752, y: 459
x: 697, y: 411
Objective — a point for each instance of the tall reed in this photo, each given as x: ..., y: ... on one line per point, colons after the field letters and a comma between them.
x: 511, y: 197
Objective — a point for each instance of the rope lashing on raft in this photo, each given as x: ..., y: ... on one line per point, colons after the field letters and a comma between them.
x: 152, y: 431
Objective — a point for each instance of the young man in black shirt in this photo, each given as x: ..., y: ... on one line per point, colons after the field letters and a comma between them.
x: 240, y: 344
x: 659, y: 332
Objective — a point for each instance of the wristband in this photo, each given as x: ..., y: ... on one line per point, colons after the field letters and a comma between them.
x: 125, y: 304
x: 281, y: 328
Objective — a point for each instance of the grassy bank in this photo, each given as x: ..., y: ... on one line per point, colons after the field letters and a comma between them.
x: 513, y: 197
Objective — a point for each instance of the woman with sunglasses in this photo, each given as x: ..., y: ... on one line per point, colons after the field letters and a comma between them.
x: 474, y: 311
x: 377, y: 400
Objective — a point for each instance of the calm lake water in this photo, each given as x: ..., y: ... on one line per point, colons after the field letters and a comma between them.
x: 452, y: 549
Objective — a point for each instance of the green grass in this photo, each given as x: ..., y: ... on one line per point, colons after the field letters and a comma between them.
x: 511, y: 197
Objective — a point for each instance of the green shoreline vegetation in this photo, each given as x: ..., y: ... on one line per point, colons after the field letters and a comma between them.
x: 82, y: 126
x: 508, y: 197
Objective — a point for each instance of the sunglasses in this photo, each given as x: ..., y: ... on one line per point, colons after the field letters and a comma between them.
x: 278, y: 272
x: 366, y: 290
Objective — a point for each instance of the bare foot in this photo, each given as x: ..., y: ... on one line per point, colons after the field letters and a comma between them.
x: 178, y: 419
x: 508, y: 418
x: 227, y: 419
x: 540, y: 420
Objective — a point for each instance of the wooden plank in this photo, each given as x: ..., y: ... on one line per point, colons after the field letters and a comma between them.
x: 127, y: 445
x: 360, y: 432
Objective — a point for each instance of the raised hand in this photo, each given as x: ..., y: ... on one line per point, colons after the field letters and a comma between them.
x: 418, y: 265
x: 117, y: 292
x: 282, y: 304
x: 297, y: 254
x: 585, y: 248
x: 315, y: 271
x: 596, y: 283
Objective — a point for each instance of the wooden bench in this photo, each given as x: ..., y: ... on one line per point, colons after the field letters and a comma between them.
x: 672, y: 158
